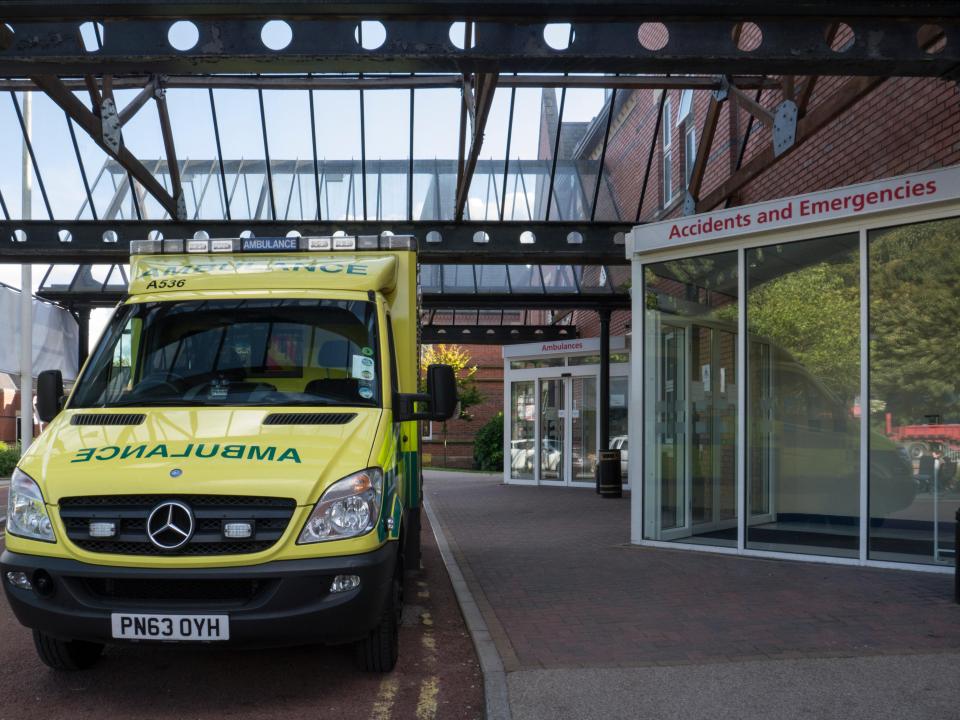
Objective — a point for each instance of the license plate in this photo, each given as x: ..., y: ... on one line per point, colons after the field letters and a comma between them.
x: 127, y: 626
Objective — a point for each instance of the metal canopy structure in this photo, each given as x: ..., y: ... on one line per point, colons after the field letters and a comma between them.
x: 101, y: 64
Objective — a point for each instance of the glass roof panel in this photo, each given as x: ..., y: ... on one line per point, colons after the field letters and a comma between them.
x: 525, y: 279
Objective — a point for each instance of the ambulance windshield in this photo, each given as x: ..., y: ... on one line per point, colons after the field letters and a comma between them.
x: 270, y: 352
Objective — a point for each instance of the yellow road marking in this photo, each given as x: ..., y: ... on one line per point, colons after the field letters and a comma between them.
x: 429, y: 644
x: 386, y: 696
x: 426, y: 619
x: 427, y: 702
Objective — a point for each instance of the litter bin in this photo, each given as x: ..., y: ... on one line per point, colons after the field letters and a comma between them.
x: 609, y: 478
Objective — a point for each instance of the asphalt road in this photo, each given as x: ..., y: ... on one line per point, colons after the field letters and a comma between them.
x: 437, y: 675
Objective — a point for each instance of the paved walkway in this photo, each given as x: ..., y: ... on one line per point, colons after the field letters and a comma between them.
x: 588, y: 626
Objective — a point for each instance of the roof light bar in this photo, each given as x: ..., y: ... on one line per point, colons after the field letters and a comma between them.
x: 324, y: 243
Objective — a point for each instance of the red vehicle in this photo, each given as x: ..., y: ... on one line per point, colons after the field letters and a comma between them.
x: 919, y: 440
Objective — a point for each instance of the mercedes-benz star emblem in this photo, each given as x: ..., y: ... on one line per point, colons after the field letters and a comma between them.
x: 170, y: 525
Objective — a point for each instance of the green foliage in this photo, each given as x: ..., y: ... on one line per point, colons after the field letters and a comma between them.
x: 488, y: 445
x: 814, y: 313
x: 914, y: 281
x: 457, y: 358
x: 9, y: 455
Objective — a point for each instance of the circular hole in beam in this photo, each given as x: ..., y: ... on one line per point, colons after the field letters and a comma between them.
x: 110, y: 236
x: 92, y: 36
x: 653, y: 36
x: 574, y: 238
x: 527, y: 238
x: 340, y: 233
x: 276, y: 34
x: 434, y: 236
x: 19, y: 235
x: 748, y: 36
x: 5, y: 40
x: 931, y: 39
x: 294, y: 233
x: 481, y: 237
x: 370, y: 34
x: 558, y: 36
x: 201, y: 235
x: 183, y: 35
x: 839, y: 37
x: 65, y: 236
x: 247, y: 234
x: 154, y: 235
x: 459, y: 37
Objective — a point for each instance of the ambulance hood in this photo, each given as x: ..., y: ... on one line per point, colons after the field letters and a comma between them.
x: 208, y: 451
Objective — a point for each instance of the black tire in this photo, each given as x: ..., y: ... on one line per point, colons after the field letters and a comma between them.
x: 377, y: 653
x: 66, y: 654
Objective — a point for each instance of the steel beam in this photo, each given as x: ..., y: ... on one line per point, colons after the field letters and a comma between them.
x: 398, y: 82
x: 495, y: 334
x: 460, y: 9
x: 556, y: 242
x: 529, y: 301
x: 697, y: 44
x: 75, y: 109
x: 486, y: 85
x: 816, y: 119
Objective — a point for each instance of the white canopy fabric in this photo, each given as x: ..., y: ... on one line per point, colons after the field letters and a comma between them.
x: 55, y: 336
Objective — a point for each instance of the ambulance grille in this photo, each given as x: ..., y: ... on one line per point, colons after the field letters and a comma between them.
x: 309, y: 418
x: 269, y: 517
x: 107, y: 419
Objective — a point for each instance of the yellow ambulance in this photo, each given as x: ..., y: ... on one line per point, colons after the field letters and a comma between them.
x: 238, y: 460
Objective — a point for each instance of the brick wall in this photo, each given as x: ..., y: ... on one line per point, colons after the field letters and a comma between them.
x: 460, y: 433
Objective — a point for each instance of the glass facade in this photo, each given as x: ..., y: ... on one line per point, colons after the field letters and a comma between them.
x: 523, y: 437
x: 914, y: 408
x: 851, y: 396
x: 803, y: 441
x: 691, y: 399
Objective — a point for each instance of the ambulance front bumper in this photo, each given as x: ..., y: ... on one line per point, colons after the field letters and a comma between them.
x: 286, y: 602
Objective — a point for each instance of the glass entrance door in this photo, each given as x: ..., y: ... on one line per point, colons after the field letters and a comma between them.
x: 583, y: 428
x: 568, y: 429
x: 552, y: 432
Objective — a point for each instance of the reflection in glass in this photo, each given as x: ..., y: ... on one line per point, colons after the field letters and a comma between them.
x: 551, y: 429
x: 522, y: 433
x: 803, y: 315
x: 691, y: 400
x: 583, y: 424
x: 914, y: 406
x: 619, y: 404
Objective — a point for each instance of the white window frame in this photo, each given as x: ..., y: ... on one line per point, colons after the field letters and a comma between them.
x: 666, y: 172
x: 686, y: 106
x: 689, y: 152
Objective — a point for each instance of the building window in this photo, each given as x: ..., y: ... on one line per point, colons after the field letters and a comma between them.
x: 689, y: 153
x: 667, y: 153
x: 686, y: 107
x: 427, y: 429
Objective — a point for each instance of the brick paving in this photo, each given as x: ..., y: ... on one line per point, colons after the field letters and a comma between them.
x: 561, y: 588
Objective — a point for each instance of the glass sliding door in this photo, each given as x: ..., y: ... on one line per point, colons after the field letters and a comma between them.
x: 523, y: 438
x: 552, y: 431
x: 803, y: 474
x: 691, y: 400
x: 914, y: 406
x: 583, y: 428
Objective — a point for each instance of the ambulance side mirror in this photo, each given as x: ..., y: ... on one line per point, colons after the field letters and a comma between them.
x: 442, y: 389
x: 49, y: 394
x: 440, y: 397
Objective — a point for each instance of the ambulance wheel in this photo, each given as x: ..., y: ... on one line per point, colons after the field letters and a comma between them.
x: 377, y: 653
x: 66, y: 654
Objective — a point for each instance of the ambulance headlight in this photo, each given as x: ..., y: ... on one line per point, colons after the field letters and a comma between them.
x: 26, y: 512
x: 350, y: 507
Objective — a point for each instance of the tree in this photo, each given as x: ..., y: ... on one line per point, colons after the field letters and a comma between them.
x: 467, y: 391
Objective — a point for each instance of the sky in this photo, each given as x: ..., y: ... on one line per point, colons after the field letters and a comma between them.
x: 387, y: 125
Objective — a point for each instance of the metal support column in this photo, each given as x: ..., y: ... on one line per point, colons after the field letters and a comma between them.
x: 82, y: 313
x: 604, y: 441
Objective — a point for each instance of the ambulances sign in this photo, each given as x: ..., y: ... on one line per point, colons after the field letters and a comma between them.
x: 906, y: 191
